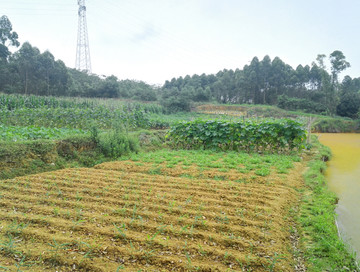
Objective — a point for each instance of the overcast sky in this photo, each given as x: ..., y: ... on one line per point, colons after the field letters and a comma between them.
x: 156, y: 40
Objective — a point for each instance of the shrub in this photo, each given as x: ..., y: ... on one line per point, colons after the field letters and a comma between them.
x: 293, y: 103
x: 116, y: 143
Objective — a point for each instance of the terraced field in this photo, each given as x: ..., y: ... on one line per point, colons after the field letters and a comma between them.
x: 160, y: 211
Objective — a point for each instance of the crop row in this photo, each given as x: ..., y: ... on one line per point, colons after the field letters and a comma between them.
x: 72, y: 118
x: 272, y: 135
x: 21, y: 110
x: 15, y: 133
x: 17, y: 101
x: 136, y: 219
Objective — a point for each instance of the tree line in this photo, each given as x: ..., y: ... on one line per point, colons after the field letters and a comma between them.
x: 312, y: 88
x: 273, y: 82
x: 29, y: 71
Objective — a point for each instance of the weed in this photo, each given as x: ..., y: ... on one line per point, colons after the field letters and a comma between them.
x: 121, y: 231
x: 262, y: 172
x: 272, y: 261
x: 90, y: 252
x: 201, y: 250
x: 56, y: 211
x: 78, y: 197
x: 16, y: 228
x: 9, y: 247
x: 23, y: 263
x: 56, y: 248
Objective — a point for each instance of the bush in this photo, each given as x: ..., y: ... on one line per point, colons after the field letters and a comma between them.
x: 336, y: 125
x: 293, y: 103
x: 116, y: 143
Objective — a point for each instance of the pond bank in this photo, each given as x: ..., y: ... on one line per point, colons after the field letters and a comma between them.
x: 343, y: 175
x: 322, y: 248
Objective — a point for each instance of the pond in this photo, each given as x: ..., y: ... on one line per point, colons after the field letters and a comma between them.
x: 343, y: 175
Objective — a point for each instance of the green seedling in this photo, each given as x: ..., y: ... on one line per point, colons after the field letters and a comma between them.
x: 121, y: 231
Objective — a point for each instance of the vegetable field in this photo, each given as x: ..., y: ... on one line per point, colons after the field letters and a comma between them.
x: 267, y: 135
x: 21, y: 110
x: 159, y: 211
x: 14, y: 133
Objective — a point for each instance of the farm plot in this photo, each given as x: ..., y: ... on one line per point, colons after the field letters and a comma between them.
x: 161, y: 211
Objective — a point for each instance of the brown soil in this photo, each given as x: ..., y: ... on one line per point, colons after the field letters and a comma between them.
x: 136, y: 216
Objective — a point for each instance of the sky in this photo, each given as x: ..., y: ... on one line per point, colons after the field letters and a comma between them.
x: 157, y: 40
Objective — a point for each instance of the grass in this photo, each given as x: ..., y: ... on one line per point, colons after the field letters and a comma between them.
x: 34, y: 156
x: 324, y: 250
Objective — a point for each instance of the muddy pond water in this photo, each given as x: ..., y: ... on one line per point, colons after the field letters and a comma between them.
x: 343, y: 174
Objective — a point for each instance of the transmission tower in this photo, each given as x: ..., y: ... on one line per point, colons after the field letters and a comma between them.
x: 82, y: 49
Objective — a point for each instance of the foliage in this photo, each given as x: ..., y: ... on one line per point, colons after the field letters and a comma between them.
x: 336, y: 125
x: 15, y: 133
x: 349, y: 105
x: 338, y: 64
x: 233, y: 112
x: 16, y: 101
x: 275, y: 136
x: 294, y: 104
x: 18, y: 110
x: 174, y: 100
x: 116, y: 143
x: 310, y: 88
x: 7, y: 37
x: 29, y: 157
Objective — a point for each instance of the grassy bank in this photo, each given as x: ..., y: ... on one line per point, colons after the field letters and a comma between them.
x: 24, y: 157
x: 29, y: 157
x: 323, y: 249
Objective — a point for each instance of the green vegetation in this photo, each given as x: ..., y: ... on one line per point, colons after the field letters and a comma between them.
x: 19, y: 110
x: 29, y: 157
x: 14, y: 133
x: 115, y: 143
x: 311, y: 89
x: 324, y: 251
x: 206, y: 159
x: 271, y: 135
x: 319, y: 123
x: 43, y: 127
x: 272, y: 82
x: 336, y: 125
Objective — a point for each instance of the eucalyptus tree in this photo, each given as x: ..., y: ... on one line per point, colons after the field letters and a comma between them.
x: 8, y: 37
x: 338, y: 64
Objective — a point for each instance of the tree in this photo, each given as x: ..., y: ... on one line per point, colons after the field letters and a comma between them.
x: 320, y: 60
x: 338, y: 64
x: 26, y: 59
x: 174, y: 100
x: 265, y: 71
x: 7, y: 37
x: 108, y: 88
x: 45, y: 69
x: 349, y: 105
